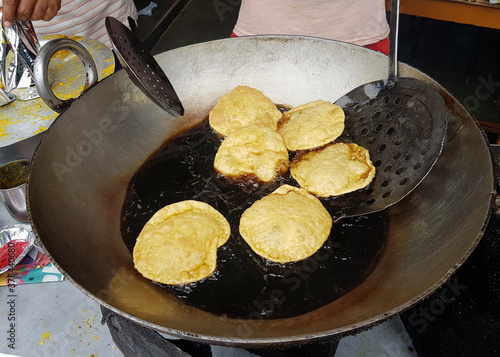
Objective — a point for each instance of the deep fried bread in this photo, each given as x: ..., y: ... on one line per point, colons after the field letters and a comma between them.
x: 286, y: 226
x: 255, y: 150
x: 241, y: 107
x: 334, y: 170
x: 178, y: 245
x: 311, y: 125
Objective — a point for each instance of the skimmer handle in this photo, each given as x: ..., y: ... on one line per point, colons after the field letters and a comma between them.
x: 393, y: 43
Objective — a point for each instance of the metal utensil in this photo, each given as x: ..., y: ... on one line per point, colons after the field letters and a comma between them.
x: 41, y: 69
x: 168, y: 18
x: 402, y: 122
x: 15, y: 242
x: 13, y: 176
x: 140, y: 65
x: 16, y: 72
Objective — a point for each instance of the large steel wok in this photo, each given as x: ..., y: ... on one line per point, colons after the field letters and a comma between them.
x: 83, y: 165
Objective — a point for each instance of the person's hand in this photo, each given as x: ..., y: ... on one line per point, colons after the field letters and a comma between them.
x: 29, y: 10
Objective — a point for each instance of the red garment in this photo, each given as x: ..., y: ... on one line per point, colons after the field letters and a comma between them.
x: 380, y: 46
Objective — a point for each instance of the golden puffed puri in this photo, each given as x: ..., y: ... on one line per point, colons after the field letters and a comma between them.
x: 178, y: 245
x: 311, y: 125
x: 255, y: 150
x: 287, y: 225
x: 241, y: 107
x: 334, y: 170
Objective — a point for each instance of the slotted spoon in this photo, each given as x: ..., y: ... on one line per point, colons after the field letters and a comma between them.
x: 402, y: 122
x: 140, y: 65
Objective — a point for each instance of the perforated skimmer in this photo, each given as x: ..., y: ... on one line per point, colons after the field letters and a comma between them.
x: 140, y: 65
x: 402, y: 122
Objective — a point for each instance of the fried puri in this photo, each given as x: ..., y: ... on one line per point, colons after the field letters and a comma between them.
x: 255, y: 150
x: 178, y: 245
x: 286, y: 226
x: 311, y: 125
x: 334, y: 170
x: 241, y: 107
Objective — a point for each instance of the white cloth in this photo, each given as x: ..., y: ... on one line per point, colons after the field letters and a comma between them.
x: 361, y: 22
x: 86, y: 18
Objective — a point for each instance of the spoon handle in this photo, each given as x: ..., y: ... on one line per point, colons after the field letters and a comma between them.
x: 393, y: 40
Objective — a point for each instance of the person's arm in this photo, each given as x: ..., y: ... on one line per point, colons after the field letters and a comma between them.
x: 29, y: 10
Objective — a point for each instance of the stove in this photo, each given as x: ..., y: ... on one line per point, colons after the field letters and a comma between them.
x: 135, y: 340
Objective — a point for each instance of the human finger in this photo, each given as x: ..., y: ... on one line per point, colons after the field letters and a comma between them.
x: 9, y: 9
x: 52, y: 10
x: 45, y: 10
x: 25, y: 9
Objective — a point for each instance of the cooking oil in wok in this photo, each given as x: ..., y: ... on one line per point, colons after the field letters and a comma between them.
x: 244, y: 284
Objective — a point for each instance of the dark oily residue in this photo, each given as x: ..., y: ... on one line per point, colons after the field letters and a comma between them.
x: 244, y: 284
